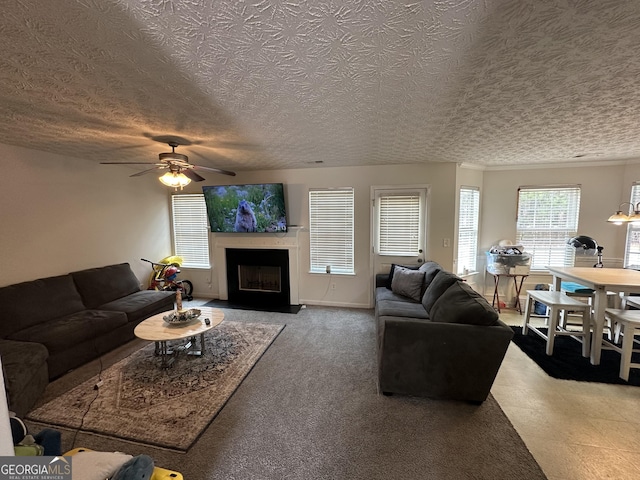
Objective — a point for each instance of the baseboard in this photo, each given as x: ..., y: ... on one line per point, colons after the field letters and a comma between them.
x: 334, y: 304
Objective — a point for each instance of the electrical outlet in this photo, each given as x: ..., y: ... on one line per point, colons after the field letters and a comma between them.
x: 333, y: 286
x: 446, y: 242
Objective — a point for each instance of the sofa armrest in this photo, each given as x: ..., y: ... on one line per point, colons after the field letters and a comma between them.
x: 24, y: 365
x: 434, y: 359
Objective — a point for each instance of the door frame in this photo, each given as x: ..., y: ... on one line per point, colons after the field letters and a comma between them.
x: 374, y: 191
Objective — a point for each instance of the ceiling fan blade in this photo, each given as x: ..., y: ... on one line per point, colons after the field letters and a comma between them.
x: 212, y: 169
x: 128, y: 163
x: 144, y: 172
x: 188, y: 172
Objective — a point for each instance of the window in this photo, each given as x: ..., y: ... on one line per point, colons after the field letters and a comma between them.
x: 632, y: 248
x: 190, y: 230
x: 331, y: 230
x: 468, y: 229
x: 399, y: 231
x: 547, y: 218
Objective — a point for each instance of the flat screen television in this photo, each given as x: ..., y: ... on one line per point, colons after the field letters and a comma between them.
x: 257, y: 208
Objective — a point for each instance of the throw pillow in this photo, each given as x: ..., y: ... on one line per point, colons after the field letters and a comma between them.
x: 436, y: 288
x: 98, y: 465
x: 430, y: 270
x: 462, y: 304
x: 408, y: 283
x: 393, y: 269
x: 138, y: 468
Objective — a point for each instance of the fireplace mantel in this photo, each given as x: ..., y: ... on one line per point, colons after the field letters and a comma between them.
x: 288, y: 241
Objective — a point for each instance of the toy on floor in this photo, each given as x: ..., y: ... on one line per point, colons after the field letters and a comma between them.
x: 46, y: 442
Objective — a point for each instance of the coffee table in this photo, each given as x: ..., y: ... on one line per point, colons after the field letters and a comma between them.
x: 157, y: 330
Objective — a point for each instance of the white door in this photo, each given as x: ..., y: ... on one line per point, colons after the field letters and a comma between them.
x: 399, y: 226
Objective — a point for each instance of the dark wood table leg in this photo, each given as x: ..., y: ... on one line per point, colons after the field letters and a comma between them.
x: 496, y: 295
x: 518, y: 287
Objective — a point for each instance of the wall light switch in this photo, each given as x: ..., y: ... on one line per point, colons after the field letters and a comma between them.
x: 446, y: 242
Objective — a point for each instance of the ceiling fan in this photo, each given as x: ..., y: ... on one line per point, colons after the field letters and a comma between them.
x: 180, y: 171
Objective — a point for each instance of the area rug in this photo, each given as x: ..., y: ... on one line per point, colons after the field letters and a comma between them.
x: 567, y: 362
x: 138, y: 401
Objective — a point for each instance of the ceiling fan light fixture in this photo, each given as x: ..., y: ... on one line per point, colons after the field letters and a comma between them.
x: 173, y: 156
x: 175, y: 180
x: 180, y: 171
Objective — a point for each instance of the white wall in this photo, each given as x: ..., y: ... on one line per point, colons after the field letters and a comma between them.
x: 354, y: 291
x: 62, y: 214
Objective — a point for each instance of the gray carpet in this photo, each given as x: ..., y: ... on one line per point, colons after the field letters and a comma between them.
x: 309, y: 409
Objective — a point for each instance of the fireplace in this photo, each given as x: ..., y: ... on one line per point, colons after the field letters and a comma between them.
x: 258, y: 277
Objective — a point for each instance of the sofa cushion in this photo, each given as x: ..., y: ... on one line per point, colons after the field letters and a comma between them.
x: 436, y: 288
x: 461, y: 304
x: 105, y: 284
x: 393, y: 269
x: 142, y: 304
x: 65, y: 332
x: 383, y: 294
x: 408, y: 283
x: 430, y: 270
x: 400, y: 308
x: 35, y: 302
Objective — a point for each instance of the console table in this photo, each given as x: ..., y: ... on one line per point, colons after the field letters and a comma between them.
x: 518, y: 280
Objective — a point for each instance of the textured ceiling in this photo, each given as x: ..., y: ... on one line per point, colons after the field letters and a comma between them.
x: 289, y: 83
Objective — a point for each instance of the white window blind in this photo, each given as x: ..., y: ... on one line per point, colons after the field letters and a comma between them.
x: 547, y: 218
x: 632, y: 247
x: 399, y: 224
x: 331, y: 230
x: 468, y: 229
x: 190, y: 230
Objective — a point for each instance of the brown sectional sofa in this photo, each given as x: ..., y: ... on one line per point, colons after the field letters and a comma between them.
x: 437, y: 337
x: 52, y: 325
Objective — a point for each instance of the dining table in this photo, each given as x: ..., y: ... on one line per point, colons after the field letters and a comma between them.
x: 602, y: 280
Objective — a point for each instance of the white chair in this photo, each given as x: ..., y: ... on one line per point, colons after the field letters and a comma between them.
x: 627, y: 302
x: 629, y: 320
x: 630, y: 301
x: 586, y: 294
x: 556, y: 303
